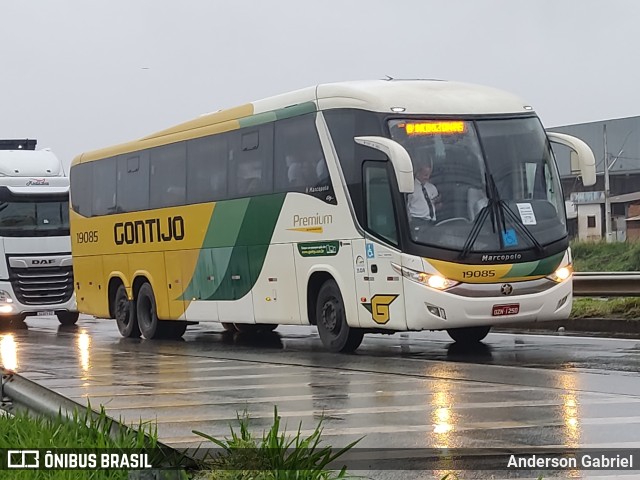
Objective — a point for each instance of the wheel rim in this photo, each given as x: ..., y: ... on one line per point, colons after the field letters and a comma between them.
x: 330, y: 316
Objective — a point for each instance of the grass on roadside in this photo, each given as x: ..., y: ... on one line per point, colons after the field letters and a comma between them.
x: 275, y: 456
x: 606, y: 257
x: 82, y: 431
x: 615, y: 307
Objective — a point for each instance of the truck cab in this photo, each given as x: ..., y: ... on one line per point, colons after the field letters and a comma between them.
x: 36, y: 275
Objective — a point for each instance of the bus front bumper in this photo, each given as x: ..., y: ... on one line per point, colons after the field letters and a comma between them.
x: 430, y: 310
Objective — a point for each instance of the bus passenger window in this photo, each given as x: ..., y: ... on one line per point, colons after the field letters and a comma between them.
x: 299, y: 162
x: 207, y: 169
x: 251, y: 161
x: 249, y: 178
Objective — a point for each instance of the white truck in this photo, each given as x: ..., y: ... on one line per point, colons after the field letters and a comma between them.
x: 36, y: 275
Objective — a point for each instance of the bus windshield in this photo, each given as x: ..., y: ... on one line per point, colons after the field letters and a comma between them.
x: 483, y: 185
x: 34, y: 218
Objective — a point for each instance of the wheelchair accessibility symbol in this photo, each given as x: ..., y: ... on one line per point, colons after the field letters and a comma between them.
x: 509, y: 238
x: 370, y: 252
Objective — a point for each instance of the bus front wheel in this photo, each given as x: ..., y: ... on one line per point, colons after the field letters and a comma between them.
x: 331, y: 320
x: 125, y: 313
x: 68, y: 318
x: 468, y: 335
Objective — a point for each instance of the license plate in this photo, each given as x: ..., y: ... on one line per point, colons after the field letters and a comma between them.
x: 510, y: 309
x: 46, y: 313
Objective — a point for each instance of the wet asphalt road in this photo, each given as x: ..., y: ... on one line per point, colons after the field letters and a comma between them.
x: 416, y: 390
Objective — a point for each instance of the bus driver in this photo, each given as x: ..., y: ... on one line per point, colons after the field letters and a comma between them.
x: 424, y: 202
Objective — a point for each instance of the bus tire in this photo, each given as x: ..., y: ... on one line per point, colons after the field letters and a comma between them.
x: 146, y: 312
x: 331, y: 320
x: 68, y: 318
x: 125, y: 312
x: 468, y: 335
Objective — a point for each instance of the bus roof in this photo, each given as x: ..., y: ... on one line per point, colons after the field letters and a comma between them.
x: 429, y: 97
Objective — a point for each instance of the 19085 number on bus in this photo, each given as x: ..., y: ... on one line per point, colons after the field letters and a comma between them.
x: 478, y: 273
x: 87, y: 237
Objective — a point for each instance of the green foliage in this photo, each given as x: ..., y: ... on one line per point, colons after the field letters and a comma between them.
x: 606, y: 257
x: 83, y: 430
x: 276, y: 456
x: 621, y: 307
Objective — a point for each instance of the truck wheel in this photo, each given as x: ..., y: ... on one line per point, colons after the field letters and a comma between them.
x: 125, y: 313
x: 331, y: 321
x: 468, y: 335
x: 68, y: 318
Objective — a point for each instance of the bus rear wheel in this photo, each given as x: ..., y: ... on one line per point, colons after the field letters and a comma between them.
x: 468, y: 335
x: 68, y: 318
x: 331, y: 320
x: 125, y: 313
x: 150, y: 326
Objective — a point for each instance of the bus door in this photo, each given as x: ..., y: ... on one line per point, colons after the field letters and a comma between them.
x: 385, y: 300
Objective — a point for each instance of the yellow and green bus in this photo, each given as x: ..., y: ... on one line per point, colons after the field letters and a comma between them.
x: 313, y: 208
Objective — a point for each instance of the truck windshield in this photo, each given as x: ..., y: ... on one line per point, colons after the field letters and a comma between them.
x: 501, y: 170
x: 34, y: 218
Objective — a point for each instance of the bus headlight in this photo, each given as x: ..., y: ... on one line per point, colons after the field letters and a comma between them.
x: 561, y: 274
x: 433, y: 280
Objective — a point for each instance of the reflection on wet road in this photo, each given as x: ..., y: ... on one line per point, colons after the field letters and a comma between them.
x: 406, y: 390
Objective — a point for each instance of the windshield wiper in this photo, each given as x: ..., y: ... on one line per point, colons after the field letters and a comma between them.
x: 493, y: 200
x: 497, y: 207
x: 475, y: 230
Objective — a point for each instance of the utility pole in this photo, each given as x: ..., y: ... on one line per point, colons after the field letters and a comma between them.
x: 607, y: 203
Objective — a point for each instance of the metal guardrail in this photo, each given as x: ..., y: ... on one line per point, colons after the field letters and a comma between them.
x: 606, y: 284
x: 18, y: 394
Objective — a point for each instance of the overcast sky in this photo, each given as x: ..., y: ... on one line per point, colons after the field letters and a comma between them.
x: 84, y: 74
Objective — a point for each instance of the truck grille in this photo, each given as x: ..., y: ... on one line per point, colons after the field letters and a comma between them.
x: 43, y: 285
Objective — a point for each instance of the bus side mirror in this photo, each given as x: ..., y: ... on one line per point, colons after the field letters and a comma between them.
x: 581, y: 155
x: 398, y: 156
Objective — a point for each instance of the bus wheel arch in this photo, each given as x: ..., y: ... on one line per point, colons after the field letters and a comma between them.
x: 316, y: 280
x: 331, y: 319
